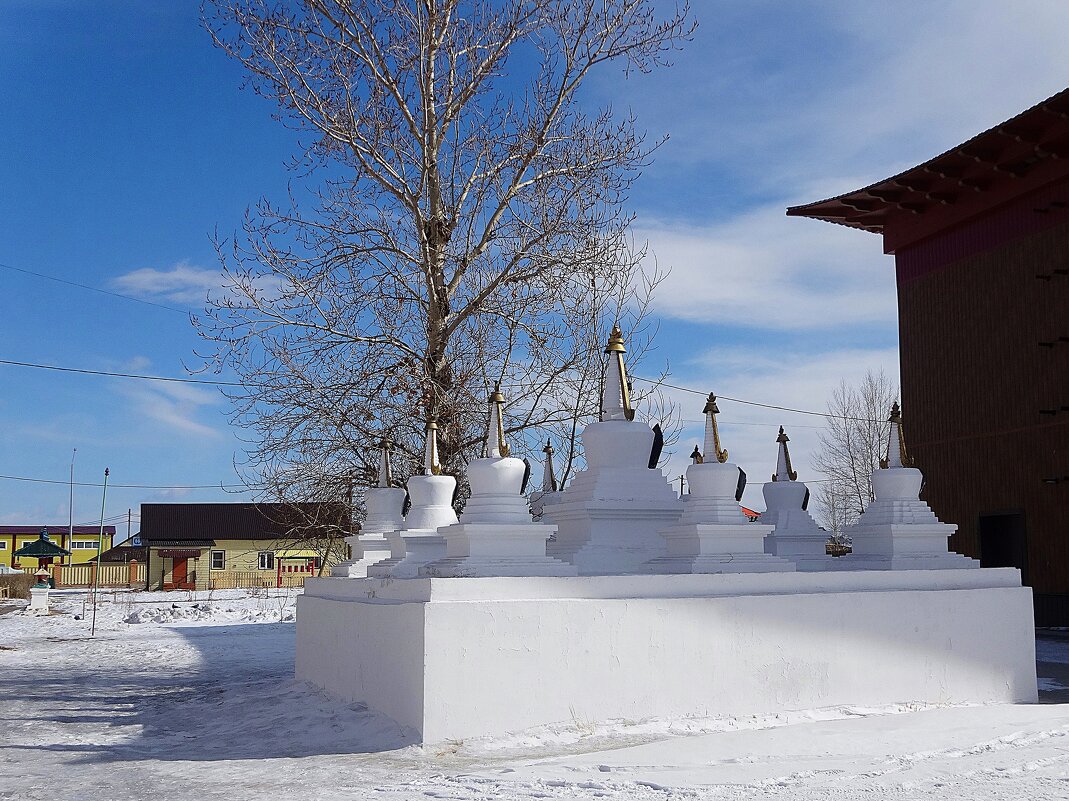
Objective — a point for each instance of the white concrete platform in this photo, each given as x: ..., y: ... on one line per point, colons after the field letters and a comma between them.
x: 457, y: 658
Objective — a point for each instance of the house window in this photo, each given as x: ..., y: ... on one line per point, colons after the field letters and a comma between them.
x: 218, y: 560
x: 267, y: 560
x: 83, y: 545
x: 318, y: 562
x: 3, y: 545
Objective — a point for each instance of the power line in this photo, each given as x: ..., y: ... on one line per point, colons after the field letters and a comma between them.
x: 121, y: 375
x: 213, y: 382
x: 185, y: 312
x: 127, y: 486
x: 238, y: 384
x: 755, y: 403
x: 692, y: 421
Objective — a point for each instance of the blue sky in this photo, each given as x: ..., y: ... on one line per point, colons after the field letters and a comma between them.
x: 127, y: 141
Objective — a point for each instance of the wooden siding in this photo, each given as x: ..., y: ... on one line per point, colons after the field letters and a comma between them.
x: 985, y: 393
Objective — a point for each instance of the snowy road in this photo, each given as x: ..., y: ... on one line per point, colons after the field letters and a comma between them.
x: 199, y: 703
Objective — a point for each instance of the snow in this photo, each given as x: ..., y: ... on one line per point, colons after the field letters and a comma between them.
x: 183, y: 696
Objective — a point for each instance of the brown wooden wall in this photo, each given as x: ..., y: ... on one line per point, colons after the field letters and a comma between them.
x: 985, y: 396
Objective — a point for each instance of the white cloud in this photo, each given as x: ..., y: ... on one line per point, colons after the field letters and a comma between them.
x: 764, y: 270
x: 811, y: 100
x: 178, y: 407
x: 182, y: 283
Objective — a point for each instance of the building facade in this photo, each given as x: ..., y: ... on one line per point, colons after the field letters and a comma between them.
x: 83, y: 545
x: 980, y: 236
x: 202, y: 546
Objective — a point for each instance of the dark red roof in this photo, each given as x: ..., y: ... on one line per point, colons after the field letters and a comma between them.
x: 87, y: 531
x: 1012, y: 159
x: 201, y: 522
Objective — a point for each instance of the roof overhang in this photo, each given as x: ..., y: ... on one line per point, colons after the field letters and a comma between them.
x: 1013, y: 159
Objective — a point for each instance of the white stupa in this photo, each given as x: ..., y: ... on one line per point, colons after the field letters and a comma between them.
x: 608, y: 518
x: 495, y: 535
x: 549, y: 494
x: 384, y: 504
x: 714, y: 536
x: 795, y: 535
x: 418, y: 542
x: 898, y: 531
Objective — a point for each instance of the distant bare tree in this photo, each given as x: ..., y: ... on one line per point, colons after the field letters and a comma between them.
x: 468, y: 228
x: 319, y: 524
x: 851, y: 448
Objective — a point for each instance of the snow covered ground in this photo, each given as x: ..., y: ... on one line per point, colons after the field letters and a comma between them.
x: 181, y: 697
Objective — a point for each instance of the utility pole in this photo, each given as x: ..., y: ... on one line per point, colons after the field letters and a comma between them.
x: 681, y: 479
x: 70, y: 526
x: 129, y: 514
x: 100, y: 543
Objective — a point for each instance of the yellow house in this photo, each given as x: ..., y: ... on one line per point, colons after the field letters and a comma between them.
x: 82, y: 545
x: 205, y: 546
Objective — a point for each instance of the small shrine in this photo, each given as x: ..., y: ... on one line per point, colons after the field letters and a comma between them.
x: 496, y: 535
x: 384, y: 504
x: 898, y: 531
x: 714, y: 536
x: 795, y: 534
x: 418, y: 542
x: 42, y: 549
x: 608, y: 518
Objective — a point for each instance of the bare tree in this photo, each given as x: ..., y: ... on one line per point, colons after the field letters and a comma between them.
x: 851, y: 447
x: 467, y: 229
x: 318, y: 522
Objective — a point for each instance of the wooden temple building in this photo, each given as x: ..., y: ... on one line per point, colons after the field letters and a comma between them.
x: 980, y: 236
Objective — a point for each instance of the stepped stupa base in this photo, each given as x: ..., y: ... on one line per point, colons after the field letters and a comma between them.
x: 609, y: 538
x: 812, y: 564
x: 360, y: 567
x: 716, y: 548
x: 541, y: 651
x: 903, y: 546
x: 373, y: 548
x: 468, y: 567
x: 807, y: 551
x: 497, y: 549
x: 418, y: 548
x: 720, y: 563
x: 943, y: 561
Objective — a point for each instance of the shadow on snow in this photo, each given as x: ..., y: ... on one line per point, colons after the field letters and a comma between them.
x: 240, y: 702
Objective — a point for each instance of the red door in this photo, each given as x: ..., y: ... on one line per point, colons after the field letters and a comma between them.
x: 179, y: 574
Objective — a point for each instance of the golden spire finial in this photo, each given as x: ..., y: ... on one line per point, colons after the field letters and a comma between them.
x: 615, y: 392
x: 431, y: 466
x: 385, y: 467
x: 783, y: 462
x: 896, y: 441
x: 712, y: 434
x: 696, y: 456
x: 495, y: 444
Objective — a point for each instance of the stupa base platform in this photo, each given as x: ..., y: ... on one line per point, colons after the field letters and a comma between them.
x: 459, y: 658
x: 719, y: 563
x: 358, y: 568
x: 604, y: 539
x: 375, y: 550
x: 471, y: 567
x: 812, y: 564
x: 421, y: 548
x: 941, y: 561
x: 496, y: 549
